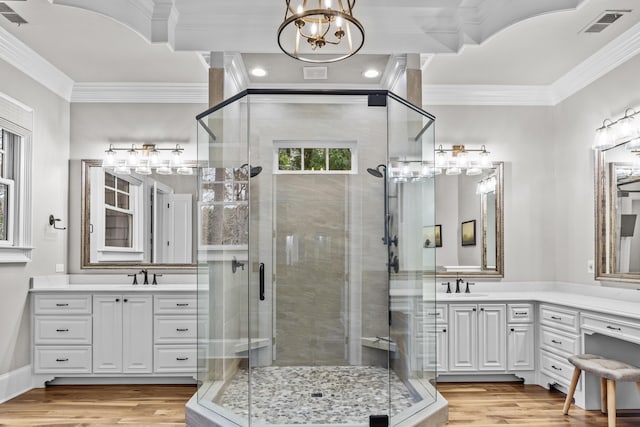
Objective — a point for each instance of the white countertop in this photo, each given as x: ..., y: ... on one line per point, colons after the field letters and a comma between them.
x: 605, y: 300
x: 112, y: 283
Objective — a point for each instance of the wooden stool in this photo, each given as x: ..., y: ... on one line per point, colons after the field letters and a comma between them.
x: 609, y: 372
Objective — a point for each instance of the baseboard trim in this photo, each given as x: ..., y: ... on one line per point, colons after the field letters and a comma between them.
x: 14, y: 383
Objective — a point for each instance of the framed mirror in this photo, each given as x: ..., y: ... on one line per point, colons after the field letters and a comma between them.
x: 137, y: 220
x: 617, y: 199
x: 468, y: 236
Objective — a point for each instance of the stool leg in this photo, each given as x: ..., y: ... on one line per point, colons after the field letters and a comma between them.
x: 603, y: 395
x: 572, y: 389
x: 611, y: 402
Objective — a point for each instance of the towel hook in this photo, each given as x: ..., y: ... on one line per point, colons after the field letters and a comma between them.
x: 52, y: 222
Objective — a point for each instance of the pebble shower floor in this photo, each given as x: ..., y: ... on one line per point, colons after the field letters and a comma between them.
x: 291, y: 395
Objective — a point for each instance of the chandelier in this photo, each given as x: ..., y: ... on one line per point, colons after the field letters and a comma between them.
x: 142, y: 160
x: 319, y: 31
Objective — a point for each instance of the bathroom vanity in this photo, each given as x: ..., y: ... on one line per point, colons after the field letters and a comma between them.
x: 528, y: 331
x: 100, y: 329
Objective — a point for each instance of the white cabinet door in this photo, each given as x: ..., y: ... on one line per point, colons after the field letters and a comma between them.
x: 521, y: 353
x: 436, y: 349
x: 492, y: 337
x: 137, y: 333
x: 107, y: 333
x: 463, y: 350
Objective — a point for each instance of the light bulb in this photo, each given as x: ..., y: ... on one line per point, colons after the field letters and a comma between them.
x: 603, y: 139
x: 163, y: 170
x: 314, y: 29
x: 299, y: 10
x: 484, y: 162
x: 110, y: 157
x: 625, y: 129
x: 133, y: 158
x: 176, y: 158
x: 441, y: 159
x: 154, y: 157
x: 462, y: 160
x: 452, y: 170
x: 327, y: 4
x: 339, y: 22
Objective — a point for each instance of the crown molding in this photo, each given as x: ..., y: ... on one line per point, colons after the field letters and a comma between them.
x: 615, y: 53
x: 486, y: 95
x: 161, y: 93
x: 29, y: 62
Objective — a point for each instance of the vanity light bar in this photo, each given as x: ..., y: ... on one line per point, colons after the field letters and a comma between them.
x: 625, y: 130
x: 145, y: 158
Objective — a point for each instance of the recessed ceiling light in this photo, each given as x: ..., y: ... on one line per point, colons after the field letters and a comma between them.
x: 371, y: 74
x: 258, y: 72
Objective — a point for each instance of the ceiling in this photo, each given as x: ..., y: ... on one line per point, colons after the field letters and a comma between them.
x: 498, y: 42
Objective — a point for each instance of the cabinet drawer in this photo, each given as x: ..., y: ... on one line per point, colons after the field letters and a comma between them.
x: 175, y: 358
x: 175, y: 329
x: 62, y: 304
x: 612, y: 327
x: 437, y: 314
x: 559, y: 318
x: 175, y: 304
x: 559, y: 343
x: 69, y: 360
x: 557, y: 368
x: 62, y: 330
x: 522, y: 313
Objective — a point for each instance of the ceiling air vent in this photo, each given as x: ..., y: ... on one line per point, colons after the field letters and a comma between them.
x: 605, y: 19
x: 11, y: 14
x: 315, y: 73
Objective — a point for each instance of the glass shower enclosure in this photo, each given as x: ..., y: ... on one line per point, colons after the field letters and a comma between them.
x: 314, y: 276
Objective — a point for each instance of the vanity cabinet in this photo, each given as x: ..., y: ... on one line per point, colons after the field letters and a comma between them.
x: 521, y: 337
x: 478, y: 337
x: 559, y: 338
x: 123, y: 331
x: 144, y: 333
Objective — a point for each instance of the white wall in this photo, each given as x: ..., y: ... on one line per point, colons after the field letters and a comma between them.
x: 522, y: 138
x: 575, y: 121
x: 49, y: 190
x: 95, y: 125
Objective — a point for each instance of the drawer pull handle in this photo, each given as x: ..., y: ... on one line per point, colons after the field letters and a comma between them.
x: 556, y: 318
x: 182, y: 358
x: 556, y: 342
x: 556, y: 368
x: 521, y: 313
x: 613, y: 328
x: 182, y: 329
x: 182, y: 304
x: 432, y: 314
x: 512, y: 329
x: 444, y: 330
x: 62, y: 360
x: 59, y: 304
x: 62, y: 330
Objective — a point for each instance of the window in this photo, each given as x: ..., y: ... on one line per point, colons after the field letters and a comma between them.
x: 16, y: 121
x: 119, y: 214
x: 9, y: 150
x: 315, y: 157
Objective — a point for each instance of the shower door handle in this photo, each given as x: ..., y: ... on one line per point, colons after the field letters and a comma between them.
x: 262, y: 281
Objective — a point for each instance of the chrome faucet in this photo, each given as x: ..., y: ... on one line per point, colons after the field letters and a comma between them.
x: 146, y: 276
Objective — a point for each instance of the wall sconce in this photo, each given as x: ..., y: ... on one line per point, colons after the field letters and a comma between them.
x: 52, y: 222
x: 460, y: 160
x: 625, y: 130
x: 144, y: 159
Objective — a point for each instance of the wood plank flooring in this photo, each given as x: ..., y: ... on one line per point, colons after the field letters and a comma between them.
x: 470, y: 404
x: 510, y: 404
x: 139, y: 405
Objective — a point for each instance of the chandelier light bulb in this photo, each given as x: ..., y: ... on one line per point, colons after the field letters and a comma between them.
x: 327, y: 4
x: 339, y: 21
x: 300, y: 9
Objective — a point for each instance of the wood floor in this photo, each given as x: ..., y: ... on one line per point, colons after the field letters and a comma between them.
x: 139, y: 405
x: 510, y: 404
x: 470, y: 404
